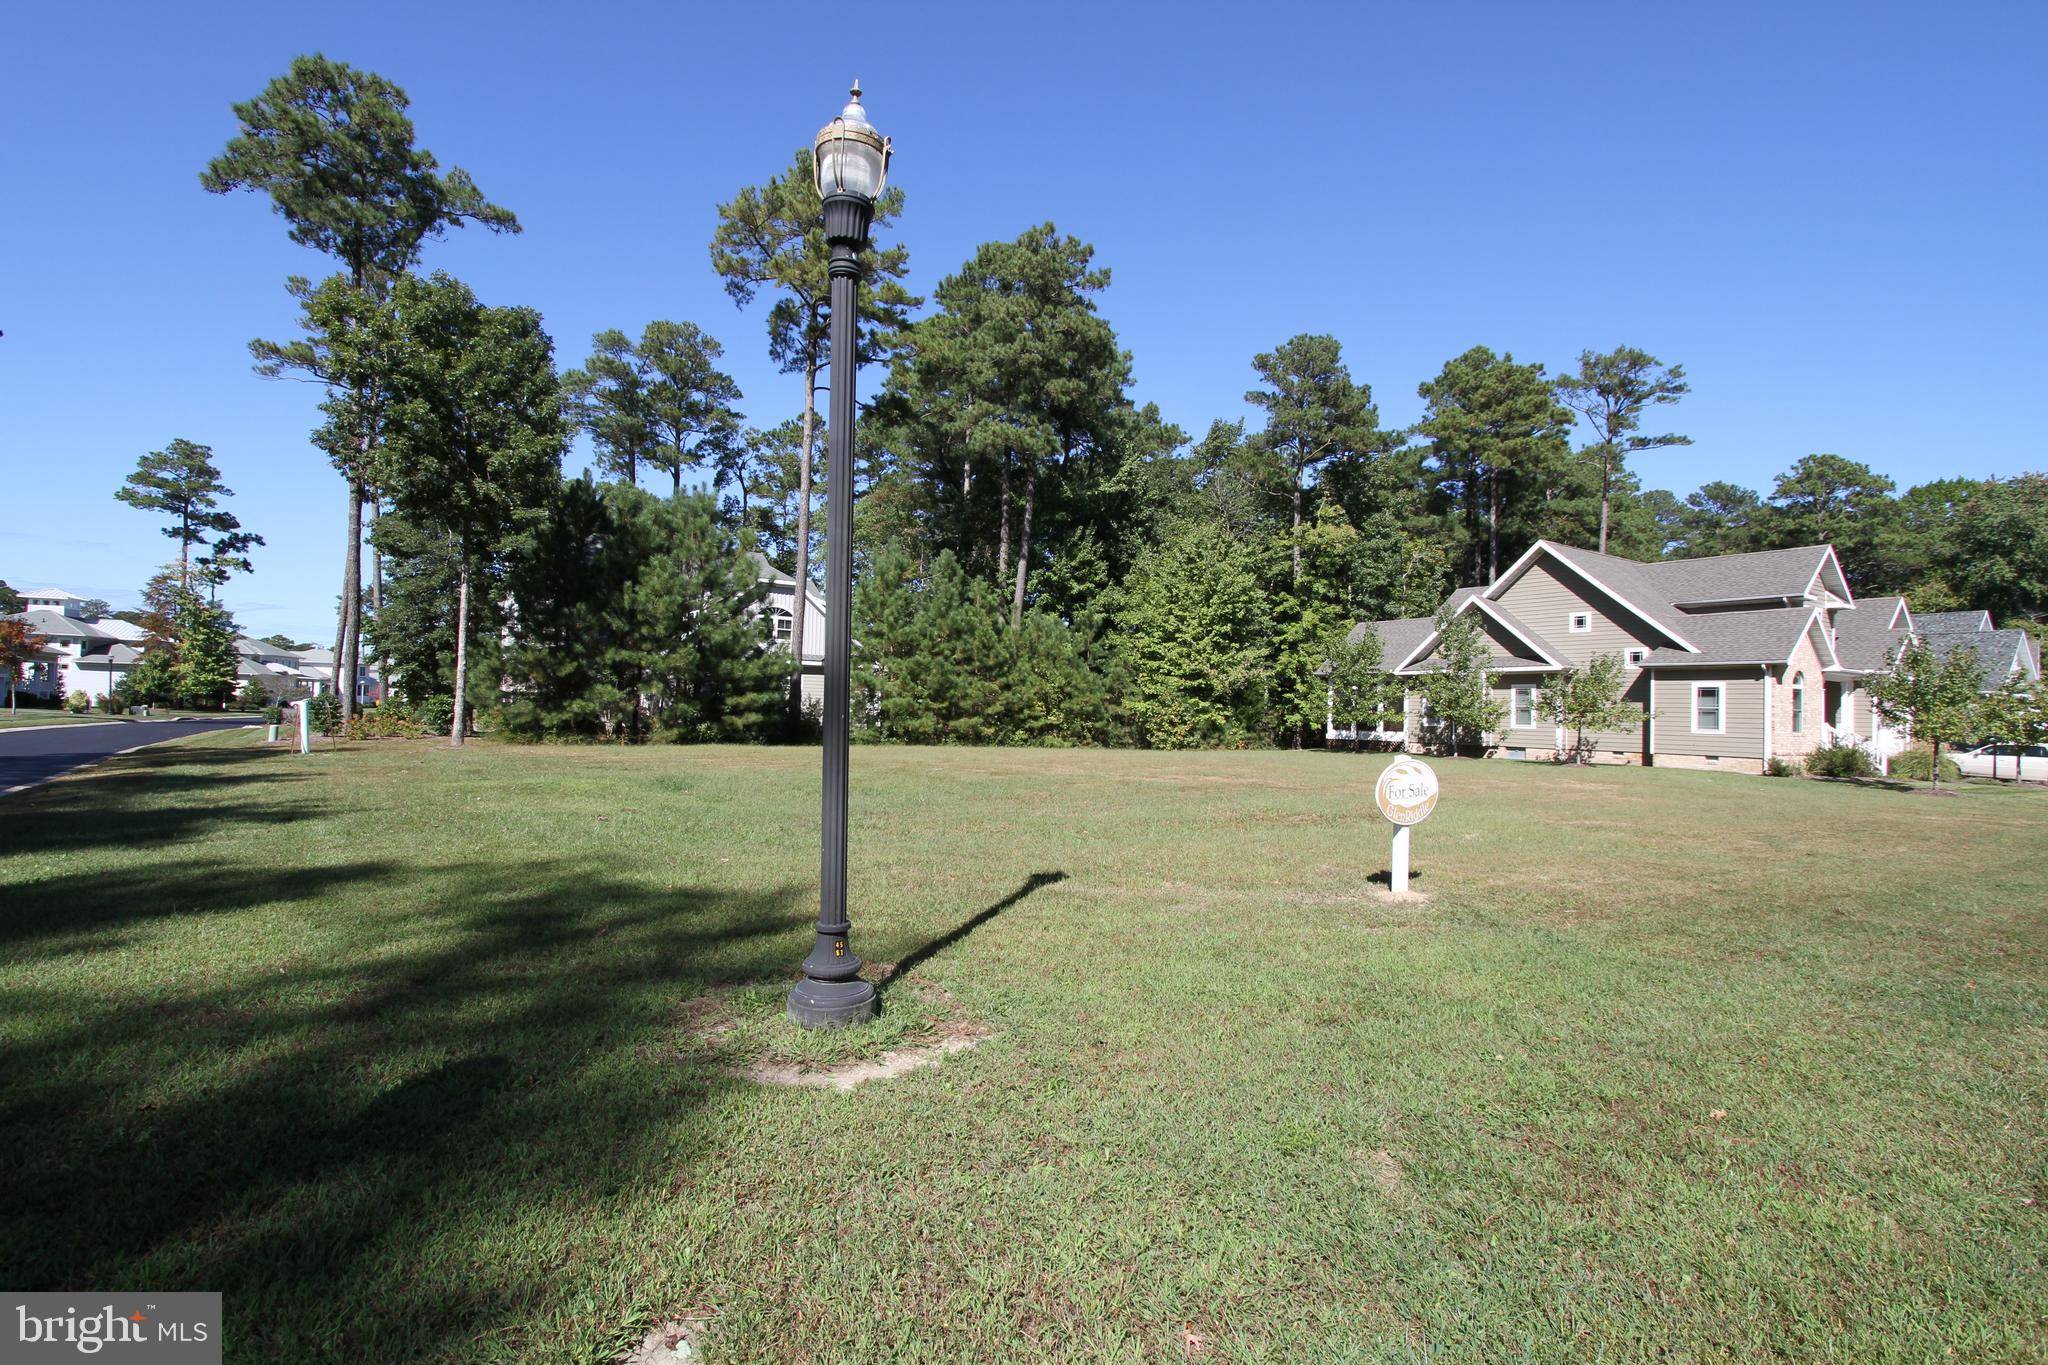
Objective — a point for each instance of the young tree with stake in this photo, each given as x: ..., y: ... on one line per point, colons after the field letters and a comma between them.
x: 1587, y: 701
x: 1935, y: 698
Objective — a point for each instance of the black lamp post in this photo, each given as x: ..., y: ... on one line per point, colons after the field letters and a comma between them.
x: 852, y: 160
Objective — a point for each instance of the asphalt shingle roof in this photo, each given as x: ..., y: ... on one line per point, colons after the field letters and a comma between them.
x: 1864, y: 638
x: 1735, y: 578
x: 1951, y: 622
x: 1740, y: 637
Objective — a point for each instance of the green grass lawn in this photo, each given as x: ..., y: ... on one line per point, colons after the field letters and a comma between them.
x: 399, y: 1047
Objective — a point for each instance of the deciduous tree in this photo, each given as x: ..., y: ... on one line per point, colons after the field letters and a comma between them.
x: 1460, y: 687
x: 20, y: 646
x: 476, y: 430
x: 1588, y: 700
x: 1935, y: 697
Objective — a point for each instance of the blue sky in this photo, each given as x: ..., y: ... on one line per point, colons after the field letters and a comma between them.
x: 1832, y: 215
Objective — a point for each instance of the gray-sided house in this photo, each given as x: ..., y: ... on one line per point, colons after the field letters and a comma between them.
x: 1730, y: 661
x: 779, y: 603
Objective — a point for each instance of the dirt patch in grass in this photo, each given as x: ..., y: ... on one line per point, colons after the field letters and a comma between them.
x: 745, y: 1030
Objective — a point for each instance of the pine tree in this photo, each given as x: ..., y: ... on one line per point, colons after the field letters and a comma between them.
x: 182, y: 482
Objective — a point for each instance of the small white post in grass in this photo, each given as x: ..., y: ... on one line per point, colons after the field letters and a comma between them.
x: 1406, y: 794
x: 305, y: 727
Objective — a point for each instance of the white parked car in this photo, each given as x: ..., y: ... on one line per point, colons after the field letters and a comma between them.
x: 2005, y: 760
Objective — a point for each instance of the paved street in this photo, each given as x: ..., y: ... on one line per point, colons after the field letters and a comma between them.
x: 30, y: 756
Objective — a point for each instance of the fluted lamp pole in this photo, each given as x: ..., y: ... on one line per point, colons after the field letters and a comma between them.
x: 852, y: 161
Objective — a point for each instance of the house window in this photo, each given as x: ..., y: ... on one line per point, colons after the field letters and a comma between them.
x: 782, y: 622
x: 1581, y: 622
x: 1525, y: 706
x: 1634, y: 657
x: 1706, y: 708
x: 1798, y: 703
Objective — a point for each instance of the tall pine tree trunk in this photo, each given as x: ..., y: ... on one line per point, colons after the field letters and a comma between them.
x: 1606, y: 483
x: 1492, y: 528
x: 800, y: 608
x: 1297, y: 534
x: 351, y: 603
x: 1024, y: 545
x: 461, y: 721
x: 377, y: 593
x: 1003, y: 527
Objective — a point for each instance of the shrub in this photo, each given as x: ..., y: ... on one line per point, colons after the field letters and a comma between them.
x: 435, y: 715
x: 1777, y: 767
x: 112, y: 704
x: 78, y: 703
x: 392, y: 720
x: 1835, y: 759
x: 325, y: 713
x: 251, y: 696
x: 1917, y: 765
x: 273, y: 714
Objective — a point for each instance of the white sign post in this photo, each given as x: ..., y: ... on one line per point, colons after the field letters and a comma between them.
x: 1406, y: 794
x: 305, y: 727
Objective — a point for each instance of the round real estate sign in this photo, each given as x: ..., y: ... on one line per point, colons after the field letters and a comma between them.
x: 1406, y: 792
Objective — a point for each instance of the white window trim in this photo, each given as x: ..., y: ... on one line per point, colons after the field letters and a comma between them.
x: 1580, y: 623
x: 1515, y: 706
x: 1720, y: 708
x: 1633, y: 658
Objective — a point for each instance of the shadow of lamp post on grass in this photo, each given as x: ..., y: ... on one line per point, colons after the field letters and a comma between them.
x: 852, y: 161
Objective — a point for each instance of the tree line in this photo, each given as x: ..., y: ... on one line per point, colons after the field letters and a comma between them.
x: 1039, y: 558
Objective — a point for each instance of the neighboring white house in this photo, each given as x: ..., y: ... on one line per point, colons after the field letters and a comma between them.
x: 93, y: 654
x: 86, y: 654
x: 780, y: 608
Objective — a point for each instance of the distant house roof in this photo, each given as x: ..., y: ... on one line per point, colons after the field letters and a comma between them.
x: 1999, y: 653
x: 56, y: 625
x: 1951, y: 622
x: 48, y: 595
x: 1398, y: 639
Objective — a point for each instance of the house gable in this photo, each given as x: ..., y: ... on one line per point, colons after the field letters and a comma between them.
x: 1549, y: 594
x: 1642, y: 607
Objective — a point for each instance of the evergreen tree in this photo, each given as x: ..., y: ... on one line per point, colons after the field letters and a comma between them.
x: 688, y: 401
x: 930, y: 658
x: 1827, y: 499
x: 608, y: 399
x: 334, y: 150
x: 1498, y: 455
x: 1315, y: 414
x: 182, y: 482
x: 204, y: 661
x: 772, y: 237
x: 1612, y: 392
x: 1194, y: 628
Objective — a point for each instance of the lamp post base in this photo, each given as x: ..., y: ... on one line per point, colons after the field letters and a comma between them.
x: 831, y: 1004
